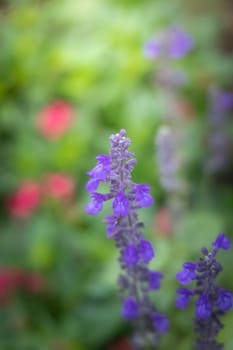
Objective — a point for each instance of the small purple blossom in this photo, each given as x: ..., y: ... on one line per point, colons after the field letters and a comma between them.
x: 183, y: 298
x: 145, y: 250
x: 96, y: 205
x: 160, y: 322
x: 130, y: 308
x: 120, y: 205
x: 100, y: 171
x: 154, y: 278
x: 130, y: 255
x: 203, y: 307
x: 187, y: 275
x: 143, y: 197
x: 225, y: 300
x: 222, y: 242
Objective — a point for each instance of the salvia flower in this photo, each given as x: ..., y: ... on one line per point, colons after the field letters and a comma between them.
x: 212, y: 301
x: 136, y: 280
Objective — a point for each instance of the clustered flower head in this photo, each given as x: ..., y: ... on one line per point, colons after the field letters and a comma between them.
x: 136, y: 280
x: 212, y: 301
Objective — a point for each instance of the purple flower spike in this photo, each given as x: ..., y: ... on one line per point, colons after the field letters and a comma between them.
x: 123, y: 226
x: 130, y: 309
x: 221, y: 242
x: 211, y: 300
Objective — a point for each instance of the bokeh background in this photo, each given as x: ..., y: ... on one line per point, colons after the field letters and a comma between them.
x: 73, y: 72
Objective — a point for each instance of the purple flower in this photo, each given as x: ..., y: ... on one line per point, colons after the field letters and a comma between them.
x: 183, y: 299
x: 154, y: 278
x: 130, y: 308
x: 146, y: 250
x: 160, y: 322
x: 203, y: 307
x: 224, y: 301
x: 152, y: 49
x: 96, y: 205
x: 187, y: 275
x: 212, y: 301
x: 180, y: 43
x: 100, y: 171
x: 92, y: 185
x: 111, y: 226
x: 173, y: 42
x: 143, y: 198
x: 221, y: 242
x: 130, y: 255
x: 120, y: 205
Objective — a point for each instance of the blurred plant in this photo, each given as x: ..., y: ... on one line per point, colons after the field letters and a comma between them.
x: 212, y: 301
x: 167, y: 159
x: 59, y: 186
x: 55, y: 119
x: 15, y: 279
x: 172, y: 43
x: 218, y: 139
x: 30, y: 194
x: 136, y: 280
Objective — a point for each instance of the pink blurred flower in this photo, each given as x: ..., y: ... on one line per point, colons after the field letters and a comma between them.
x: 55, y: 119
x: 32, y: 282
x: 163, y: 222
x: 23, y: 202
x: 13, y: 279
x: 59, y: 186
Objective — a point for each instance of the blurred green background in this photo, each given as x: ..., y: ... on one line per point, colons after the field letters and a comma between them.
x: 84, y: 61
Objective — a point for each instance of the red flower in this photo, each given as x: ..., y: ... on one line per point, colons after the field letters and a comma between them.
x: 24, y: 201
x: 163, y: 222
x: 13, y: 279
x: 59, y: 186
x: 32, y: 282
x: 55, y: 119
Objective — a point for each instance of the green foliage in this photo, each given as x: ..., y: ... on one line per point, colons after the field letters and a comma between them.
x: 90, y: 54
